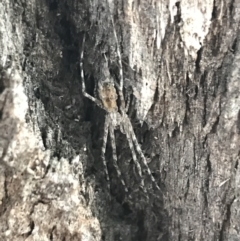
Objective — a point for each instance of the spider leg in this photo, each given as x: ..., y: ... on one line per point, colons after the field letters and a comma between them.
x: 103, y: 150
x: 127, y: 102
x: 138, y: 148
x: 120, y: 85
x: 83, y: 80
x: 114, y: 154
x: 130, y: 143
x: 119, y: 55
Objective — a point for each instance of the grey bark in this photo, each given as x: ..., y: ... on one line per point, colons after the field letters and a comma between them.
x: 181, y: 76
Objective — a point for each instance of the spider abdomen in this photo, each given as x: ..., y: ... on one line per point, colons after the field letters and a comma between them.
x: 108, y: 95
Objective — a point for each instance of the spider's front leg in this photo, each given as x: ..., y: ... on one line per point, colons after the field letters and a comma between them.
x: 138, y: 148
x: 134, y: 156
x: 103, y: 150
x: 114, y: 154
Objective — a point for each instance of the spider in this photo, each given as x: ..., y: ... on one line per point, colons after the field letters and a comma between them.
x: 115, y: 117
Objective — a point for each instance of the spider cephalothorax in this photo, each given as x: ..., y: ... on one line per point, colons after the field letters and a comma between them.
x: 108, y: 96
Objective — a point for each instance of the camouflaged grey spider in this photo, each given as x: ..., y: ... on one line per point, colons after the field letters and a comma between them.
x: 115, y: 117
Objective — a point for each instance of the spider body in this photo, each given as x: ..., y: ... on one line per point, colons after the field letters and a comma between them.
x: 116, y: 117
x: 108, y: 95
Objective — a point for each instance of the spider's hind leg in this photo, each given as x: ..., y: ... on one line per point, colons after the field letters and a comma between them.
x: 119, y: 55
x: 96, y: 101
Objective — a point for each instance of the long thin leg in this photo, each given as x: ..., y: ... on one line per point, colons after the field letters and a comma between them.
x: 120, y: 85
x: 138, y: 148
x: 119, y: 55
x: 139, y: 170
x: 128, y: 98
x: 83, y: 80
x: 103, y: 150
x: 114, y: 154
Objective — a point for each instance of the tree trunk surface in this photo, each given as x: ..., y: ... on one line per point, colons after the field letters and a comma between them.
x: 180, y: 63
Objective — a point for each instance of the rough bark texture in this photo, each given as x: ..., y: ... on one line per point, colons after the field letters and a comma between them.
x: 181, y: 76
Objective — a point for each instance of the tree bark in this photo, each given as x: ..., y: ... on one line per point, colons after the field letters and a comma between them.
x: 181, y: 79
